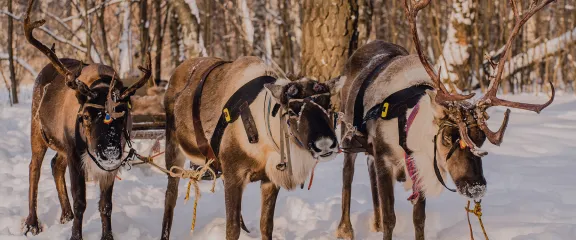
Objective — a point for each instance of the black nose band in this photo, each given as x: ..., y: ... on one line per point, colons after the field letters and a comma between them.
x: 452, y: 150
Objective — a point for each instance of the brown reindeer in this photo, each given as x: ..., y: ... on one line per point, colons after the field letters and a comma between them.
x: 413, y: 129
x: 81, y: 112
x: 300, y: 107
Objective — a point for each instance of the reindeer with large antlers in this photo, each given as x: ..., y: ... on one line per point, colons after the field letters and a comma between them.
x: 81, y: 112
x: 412, y: 129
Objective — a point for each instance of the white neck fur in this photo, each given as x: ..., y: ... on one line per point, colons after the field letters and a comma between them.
x: 420, y: 140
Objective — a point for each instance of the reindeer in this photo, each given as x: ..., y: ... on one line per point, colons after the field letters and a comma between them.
x: 400, y: 114
x: 81, y: 112
x: 286, y: 117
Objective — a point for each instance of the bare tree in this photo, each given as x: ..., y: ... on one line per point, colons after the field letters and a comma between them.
x: 329, y: 36
x: 159, y: 38
x: 144, y: 30
x: 104, y: 35
x: 13, y: 82
x: 190, y: 28
x: 259, y: 23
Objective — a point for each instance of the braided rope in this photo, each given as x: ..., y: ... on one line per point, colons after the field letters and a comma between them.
x: 194, y: 175
x: 478, y: 212
x: 351, y: 130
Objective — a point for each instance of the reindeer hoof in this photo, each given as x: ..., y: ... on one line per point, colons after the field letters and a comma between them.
x: 76, y: 237
x: 375, y: 226
x: 66, y: 217
x: 107, y: 236
x: 345, y: 231
x: 33, y: 226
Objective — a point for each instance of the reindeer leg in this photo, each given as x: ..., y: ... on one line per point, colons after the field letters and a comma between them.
x: 78, y: 184
x: 233, y: 188
x: 376, y: 219
x: 269, y: 193
x: 59, y: 165
x: 32, y: 225
x: 419, y: 217
x: 105, y: 207
x: 385, y: 186
x: 345, y: 229
x: 174, y: 157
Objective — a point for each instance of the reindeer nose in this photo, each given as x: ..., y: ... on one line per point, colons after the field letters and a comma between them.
x: 323, y: 144
x: 112, y: 153
x: 475, y: 189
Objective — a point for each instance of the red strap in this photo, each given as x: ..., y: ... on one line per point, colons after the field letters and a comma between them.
x: 410, y: 164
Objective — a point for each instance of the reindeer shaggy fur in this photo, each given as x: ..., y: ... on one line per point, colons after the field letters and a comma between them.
x: 386, y: 161
x: 241, y: 161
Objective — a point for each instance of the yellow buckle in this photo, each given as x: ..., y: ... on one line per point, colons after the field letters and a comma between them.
x: 385, y: 109
x: 226, y: 114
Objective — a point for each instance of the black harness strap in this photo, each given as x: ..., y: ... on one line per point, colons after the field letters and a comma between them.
x: 437, y: 170
x: 396, y: 103
x: 238, y: 105
x: 359, y: 101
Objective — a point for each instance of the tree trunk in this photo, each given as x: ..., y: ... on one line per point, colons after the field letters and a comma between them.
x: 259, y: 23
x: 286, y: 35
x: 159, y: 38
x: 102, y: 23
x: 457, y: 51
x: 13, y: 82
x: 175, y: 37
x: 88, y: 27
x: 190, y: 28
x: 365, y: 10
x: 125, y: 43
x: 144, y: 31
x: 329, y: 36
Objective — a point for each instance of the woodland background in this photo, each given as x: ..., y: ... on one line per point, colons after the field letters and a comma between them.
x: 308, y: 37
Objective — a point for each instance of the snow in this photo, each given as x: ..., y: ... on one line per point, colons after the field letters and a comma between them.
x: 530, y: 190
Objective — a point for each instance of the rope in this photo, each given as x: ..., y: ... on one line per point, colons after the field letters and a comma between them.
x: 478, y: 212
x: 195, y: 175
x: 351, y: 130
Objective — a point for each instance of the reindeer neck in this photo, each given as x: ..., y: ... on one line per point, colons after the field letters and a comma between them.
x: 420, y: 139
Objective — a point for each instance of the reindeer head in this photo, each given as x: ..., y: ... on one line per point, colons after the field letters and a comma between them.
x: 307, y: 106
x: 104, y: 117
x: 462, y: 124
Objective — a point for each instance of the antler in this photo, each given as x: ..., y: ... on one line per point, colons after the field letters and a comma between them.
x: 490, y: 99
x: 71, y: 80
x: 443, y: 95
x: 147, y: 72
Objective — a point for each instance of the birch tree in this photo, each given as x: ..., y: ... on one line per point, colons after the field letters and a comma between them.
x: 456, y: 50
x: 13, y: 82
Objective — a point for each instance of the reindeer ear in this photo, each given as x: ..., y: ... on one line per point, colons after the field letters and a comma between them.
x: 438, y: 109
x: 335, y: 84
x: 81, y: 98
x: 275, y: 90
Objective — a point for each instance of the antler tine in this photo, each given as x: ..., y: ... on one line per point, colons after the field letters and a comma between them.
x: 147, y: 73
x: 495, y: 137
x: 490, y: 99
x: 71, y: 80
x: 495, y: 82
x: 443, y: 95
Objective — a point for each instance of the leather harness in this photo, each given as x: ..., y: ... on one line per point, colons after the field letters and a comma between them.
x: 237, y: 106
x: 394, y: 106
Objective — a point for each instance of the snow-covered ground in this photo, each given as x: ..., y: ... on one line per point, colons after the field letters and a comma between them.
x: 531, y: 191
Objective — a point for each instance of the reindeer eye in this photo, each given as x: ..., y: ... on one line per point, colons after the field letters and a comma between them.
x: 319, y: 87
x: 86, y: 117
x: 447, y: 140
x: 292, y: 91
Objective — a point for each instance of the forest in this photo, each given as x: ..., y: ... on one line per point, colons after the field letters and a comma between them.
x: 310, y: 38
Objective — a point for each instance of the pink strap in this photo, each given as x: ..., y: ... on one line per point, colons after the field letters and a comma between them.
x: 410, y: 165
